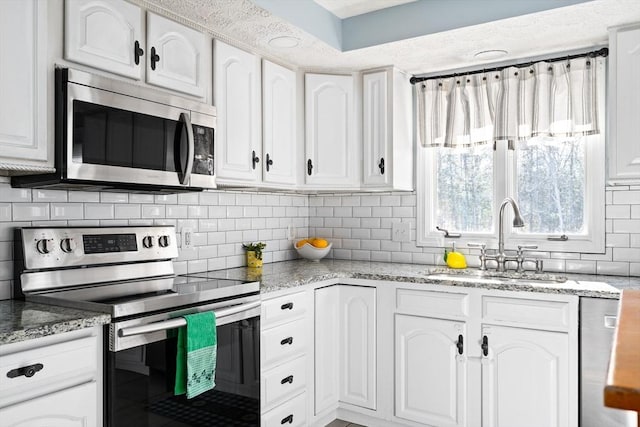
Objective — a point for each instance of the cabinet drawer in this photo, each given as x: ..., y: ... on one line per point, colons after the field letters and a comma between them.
x: 282, y: 342
x: 526, y: 311
x: 283, y: 309
x: 63, y: 365
x: 283, y: 381
x: 432, y: 303
x: 291, y: 414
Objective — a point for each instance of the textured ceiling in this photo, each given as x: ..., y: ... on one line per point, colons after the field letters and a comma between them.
x: 348, y: 8
x: 248, y: 26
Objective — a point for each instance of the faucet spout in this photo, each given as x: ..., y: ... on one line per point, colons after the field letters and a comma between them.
x: 517, y: 222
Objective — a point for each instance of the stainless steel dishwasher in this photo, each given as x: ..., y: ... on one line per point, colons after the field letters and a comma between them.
x: 598, y: 318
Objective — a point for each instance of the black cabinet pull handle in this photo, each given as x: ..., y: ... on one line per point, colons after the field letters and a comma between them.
x: 287, y: 341
x: 137, y: 52
x: 309, y: 167
x: 287, y: 306
x: 287, y: 419
x: 460, y: 344
x: 27, y: 371
x: 155, y: 58
x: 288, y: 379
x: 254, y: 159
x: 485, y: 345
x: 381, y: 165
x: 269, y: 162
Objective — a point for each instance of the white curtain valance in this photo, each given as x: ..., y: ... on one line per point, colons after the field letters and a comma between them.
x: 544, y: 99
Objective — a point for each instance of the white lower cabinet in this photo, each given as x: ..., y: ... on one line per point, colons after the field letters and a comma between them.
x: 526, y: 378
x: 345, y: 347
x: 73, y: 407
x: 430, y: 376
x: 284, y: 364
x: 52, y: 381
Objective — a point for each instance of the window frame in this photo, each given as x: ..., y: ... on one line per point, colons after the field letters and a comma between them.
x: 504, y: 180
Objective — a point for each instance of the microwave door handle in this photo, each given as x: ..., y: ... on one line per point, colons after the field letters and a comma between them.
x: 186, y: 119
x: 179, y: 321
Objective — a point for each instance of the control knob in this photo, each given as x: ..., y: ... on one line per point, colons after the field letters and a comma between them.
x: 147, y: 241
x: 44, y: 246
x: 164, y: 241
x: 68, y: 245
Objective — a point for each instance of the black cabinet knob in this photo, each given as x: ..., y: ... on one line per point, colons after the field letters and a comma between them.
x: 27, y: 371
x: 485, y: 345
x: 286, y: 341
x: 287, y: 306
x: 381, y: 166
x: 287, y: 419
x: 288, y: 379
x: 309, y: 167
x: 137, y: 52
x: 460, y: 344
x: 269, y: 162
x: 254, y: 159
x: 155, y: 58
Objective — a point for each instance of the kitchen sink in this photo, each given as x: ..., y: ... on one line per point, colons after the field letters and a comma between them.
x: 488, y: 276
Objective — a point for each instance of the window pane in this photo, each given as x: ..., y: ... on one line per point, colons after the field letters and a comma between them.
x: 465, y: 189
x: 551, y: 185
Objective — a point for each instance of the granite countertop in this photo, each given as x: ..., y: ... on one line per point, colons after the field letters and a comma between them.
x: 21, y: 320
x: 290, y: 274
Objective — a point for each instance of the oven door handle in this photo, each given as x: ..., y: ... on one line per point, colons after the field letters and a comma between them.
x: 185, y: 118
x: 179, y: 321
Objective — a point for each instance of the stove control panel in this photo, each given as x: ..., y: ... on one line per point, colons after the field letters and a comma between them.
x: 57, y: 247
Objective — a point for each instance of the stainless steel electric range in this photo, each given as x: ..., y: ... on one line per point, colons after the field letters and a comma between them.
x: 128, y: 273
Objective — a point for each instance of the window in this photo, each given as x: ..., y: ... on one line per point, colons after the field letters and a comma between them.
x: 558, y: 183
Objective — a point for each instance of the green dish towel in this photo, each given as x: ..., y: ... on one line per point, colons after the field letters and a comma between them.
x: 196, y: 356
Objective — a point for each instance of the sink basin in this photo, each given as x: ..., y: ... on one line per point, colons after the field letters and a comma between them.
x: 487, y: 276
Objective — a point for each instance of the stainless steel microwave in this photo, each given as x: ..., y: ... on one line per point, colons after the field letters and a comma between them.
x: 113, y: 135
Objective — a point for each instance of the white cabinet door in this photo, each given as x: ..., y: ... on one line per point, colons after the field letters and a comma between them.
x: 386, y: 130
x: 430, y: 376
x: 177, y: 56
x: 357, y: 321
x: 525, y: 379
x: 237, y: 98
x: 279, y: 124
x: 624, y: 88
x: 375, y: 122
x: 103, y: 34
x: 72, y: 407
x: 331, y: 148
x: 23, y: 86
x: 326, y: 349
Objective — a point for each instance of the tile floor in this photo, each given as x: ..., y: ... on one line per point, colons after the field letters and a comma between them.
x: 340, y: 423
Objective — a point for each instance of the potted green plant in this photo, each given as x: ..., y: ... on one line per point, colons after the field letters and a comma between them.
x: 254, y: 253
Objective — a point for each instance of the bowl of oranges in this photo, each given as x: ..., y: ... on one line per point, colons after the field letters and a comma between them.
x: 313, y: 248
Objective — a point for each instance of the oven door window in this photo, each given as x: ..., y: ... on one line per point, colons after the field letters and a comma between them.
x: 141, y: 379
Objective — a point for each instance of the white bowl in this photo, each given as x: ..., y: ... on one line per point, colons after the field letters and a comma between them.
x: 310, y: 252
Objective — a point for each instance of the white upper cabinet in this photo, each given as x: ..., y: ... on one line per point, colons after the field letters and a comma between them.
x: 624, y: 103
x: 331, y: 147
x: 279, y: 124
x: 237, y: 98
x: 105, y: 34
x: 23, y: 87
x: 177, y: 56
x: 109, y: 35
x: 386, y: 130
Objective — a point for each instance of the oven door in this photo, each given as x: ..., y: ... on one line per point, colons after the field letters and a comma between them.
x: 140, y: 378
x: 116, y: 138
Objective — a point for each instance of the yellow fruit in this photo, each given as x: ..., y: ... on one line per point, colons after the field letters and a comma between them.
x: 319, y: 243
x: 301, y: 243
x: 456, y: 260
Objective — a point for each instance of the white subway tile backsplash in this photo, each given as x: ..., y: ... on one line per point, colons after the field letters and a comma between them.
x: 581, y: 266
x: 190, y: 199
x: 381, y: 212
x: 613, y: 268
x: 347, y: 200
x: 166, y: 199
x: 635, y: 212
x: 6, y: 251
x: 207, y: 225
x: 140, y: 198
x: 360, y: 212
x: 360, y: 255
x: 114, y: 197
x: 153, y: 211
x: 618, y: 211
x: 381, y: 256
x: 40, y: 195
x: 403, y: 212
x: 66, y: 211
x: 615, y: 240
x: 370, y: 201
x: 341, y: 253
x: 351, y: 222
x: 401, y: 257
x: 390, y: 201
x: 333, y: 222
x: 30, y: 211
x: 208, y: 198
x: 8, y: 194
x: 5, y: 211
x: 634, y: 269
x: 5, y: 289
x: 243, y: 199
x: 626, y: 197
x: 197, y: 266
x: 372, y: 245
x: 634, y: 240
x: 626, y: 225
x: 243, y: 224
x: 626, y: 254
x: 198, y: 211
x: 6, y: 270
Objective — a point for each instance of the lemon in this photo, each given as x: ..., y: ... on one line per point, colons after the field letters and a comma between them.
x: 301, y: 243
x: 456, y: 260
x: 319, y: 243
